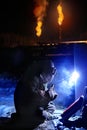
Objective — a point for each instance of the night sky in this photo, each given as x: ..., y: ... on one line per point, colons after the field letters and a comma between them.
x: 18, y: 17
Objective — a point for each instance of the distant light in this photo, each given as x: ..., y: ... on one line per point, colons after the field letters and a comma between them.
x: 68, y: 42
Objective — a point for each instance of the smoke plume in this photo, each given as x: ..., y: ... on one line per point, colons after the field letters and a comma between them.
x: 40, y: 9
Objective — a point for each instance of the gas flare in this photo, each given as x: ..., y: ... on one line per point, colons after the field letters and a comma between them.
x: 40, y: 12
x: 38, y: 28
x: 60, y: 13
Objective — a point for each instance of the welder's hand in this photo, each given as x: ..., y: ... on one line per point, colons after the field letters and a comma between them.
x: 51, y: 107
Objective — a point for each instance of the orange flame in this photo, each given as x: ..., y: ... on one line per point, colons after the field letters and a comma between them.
x: 39, y: 12
x: 60, y: 13
x: 38, y: 28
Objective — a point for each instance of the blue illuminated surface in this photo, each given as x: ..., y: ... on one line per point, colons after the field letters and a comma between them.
x: 65, y: 65
x: 61, y: 83
x: 7, y: 87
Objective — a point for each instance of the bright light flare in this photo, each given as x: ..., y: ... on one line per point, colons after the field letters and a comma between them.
x: 60, y: 14
x: 74, y: 77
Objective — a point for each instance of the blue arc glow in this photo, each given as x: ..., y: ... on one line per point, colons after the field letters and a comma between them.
x: 74, y: 77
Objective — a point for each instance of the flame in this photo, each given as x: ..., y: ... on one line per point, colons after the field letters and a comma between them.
x: 40, y: 12
x: 38, y: 28
x: 60, y: 13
